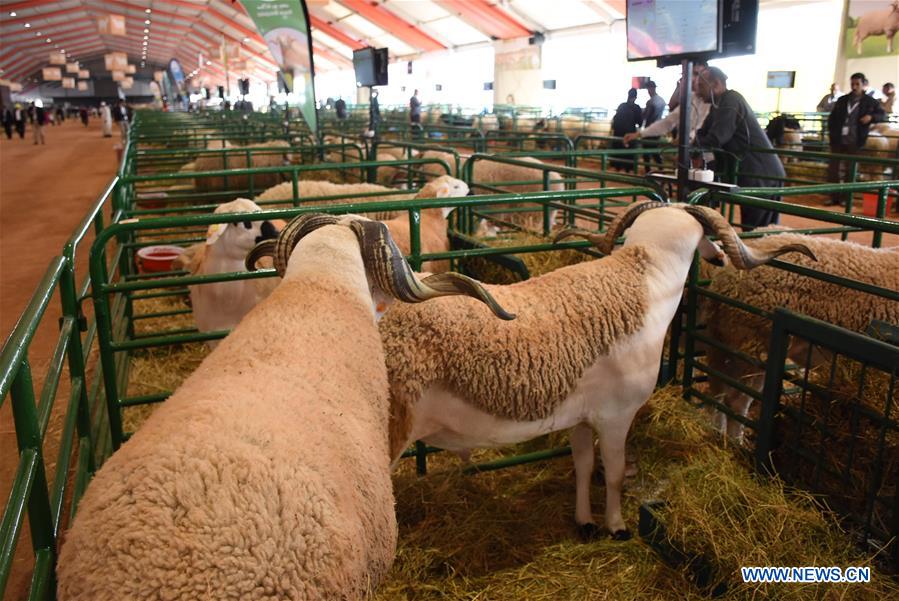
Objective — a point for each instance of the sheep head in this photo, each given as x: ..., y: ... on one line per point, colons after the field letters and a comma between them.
x: 444, y: 186
x: 713, y: 224
x: 236, y: 239
x: 388, y: 272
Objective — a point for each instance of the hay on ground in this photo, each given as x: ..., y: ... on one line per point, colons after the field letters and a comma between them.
x: 536, y: 263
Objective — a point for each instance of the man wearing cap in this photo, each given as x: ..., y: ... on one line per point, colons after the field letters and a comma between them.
x: 731, y: 126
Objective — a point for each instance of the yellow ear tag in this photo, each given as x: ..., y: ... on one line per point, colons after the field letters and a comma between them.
x: 214, y: 231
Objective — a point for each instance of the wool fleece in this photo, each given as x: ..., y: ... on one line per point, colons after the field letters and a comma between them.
x: 566, y: 320
x: 266, y: 475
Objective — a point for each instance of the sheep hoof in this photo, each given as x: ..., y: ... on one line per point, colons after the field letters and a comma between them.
x: 588, y: 532
x: 621, y: 535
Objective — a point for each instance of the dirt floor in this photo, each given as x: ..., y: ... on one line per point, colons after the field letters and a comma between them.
x: 44, y: 193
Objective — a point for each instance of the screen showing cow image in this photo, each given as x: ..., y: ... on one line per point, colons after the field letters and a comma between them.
x: 660, y: 28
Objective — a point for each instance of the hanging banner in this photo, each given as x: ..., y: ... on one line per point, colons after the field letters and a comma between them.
x: 229, y: 51
x: 68, y: 82
x: 82, y: 86
x: 111, y: 24
x: 71, y: 67
x: 118, y: 75
x: 867, y: 28
x: 127, y: 83
x: 51, y: 73
x: 130, y: 69
x: 158, y: 75
x: 115, y: 61
x: 284, y: 25
x: 84, y: 73
x: 57, y: 58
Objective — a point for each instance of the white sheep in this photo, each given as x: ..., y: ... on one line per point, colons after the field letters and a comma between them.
x: 339, y: 193
x: 584, y: 352
x: 496, y: 174
x: 878, y: 22
x: 221, y: 305
x: 266, y: 474
x: 265, y: 154
x: 433, y: 224
x: 769, y: 288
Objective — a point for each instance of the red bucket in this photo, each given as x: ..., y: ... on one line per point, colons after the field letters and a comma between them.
x: 869, y: 204
x: 158, y: 258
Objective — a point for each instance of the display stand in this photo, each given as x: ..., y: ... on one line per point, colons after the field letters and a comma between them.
x: 683, y: 142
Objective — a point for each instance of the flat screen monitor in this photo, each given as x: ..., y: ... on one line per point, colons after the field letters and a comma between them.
x: 668, y: 28
x: 781, y: 79
x: 739, y: 22
x: 370, y: 66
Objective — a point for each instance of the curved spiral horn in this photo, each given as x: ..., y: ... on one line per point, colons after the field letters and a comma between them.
x: 742, y: 256
x: 280, y: 248
x: 388, y: 269
x: 624, y: 221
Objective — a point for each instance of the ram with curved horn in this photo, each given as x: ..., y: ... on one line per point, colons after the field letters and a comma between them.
x: 583, y: 354
x: 266, y: 475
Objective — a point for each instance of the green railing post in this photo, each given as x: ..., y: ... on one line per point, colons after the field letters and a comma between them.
x: 881, y: 214
x: 692, y: 308
x: 68, y: 293
x: 28, y: 437
x: 103, y: 318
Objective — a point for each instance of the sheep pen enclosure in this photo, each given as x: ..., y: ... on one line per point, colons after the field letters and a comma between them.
x: 499, y: 527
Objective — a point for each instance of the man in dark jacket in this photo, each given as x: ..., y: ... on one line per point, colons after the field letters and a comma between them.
x: 627, y: 119
x: 849, y: 122
x: 7, y: 122
x: 340, y: 107
x: 655, y: 106
x: 732, y: 127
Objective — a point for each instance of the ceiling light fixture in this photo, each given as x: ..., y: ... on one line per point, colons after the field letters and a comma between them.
x: 27, y: 25
x: 49, y: 40
x: 147, y: 22
x: 208, y: 63
x: 146, y: 31
x: 12, y: 14
x: 148, y: 11
x: 146, y: 37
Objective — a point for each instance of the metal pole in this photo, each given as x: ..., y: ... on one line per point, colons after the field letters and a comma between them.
x: 683, y: 125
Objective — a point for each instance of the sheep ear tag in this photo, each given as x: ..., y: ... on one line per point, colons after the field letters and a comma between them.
x: 214, y: 232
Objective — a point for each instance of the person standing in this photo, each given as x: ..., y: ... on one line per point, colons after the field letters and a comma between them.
x: 849, y: 122
x: 105, y: 120
x: 415, y: 108
x: 699, y: 110
x: 655, y: 106
x: 340, y: 108
x: 827, y: 102
x: 731, y: 126
x: 889, y: 98
x: 40, y: 116
x: 82, y: 112
x: 627, y: 119
x: 7, y: 122
x: 19, y: 116
x: 120, y: 116
x: 374, y: 113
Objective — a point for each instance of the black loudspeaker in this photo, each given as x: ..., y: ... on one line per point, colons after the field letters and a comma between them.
x: 221, y: 91
x: 244, y: 85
